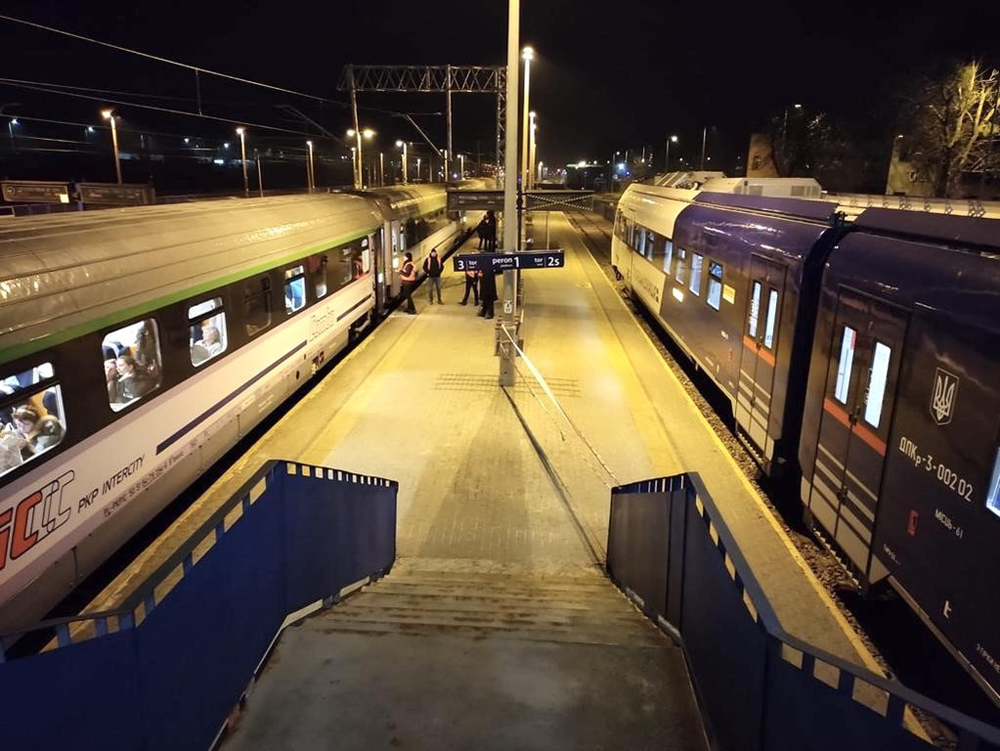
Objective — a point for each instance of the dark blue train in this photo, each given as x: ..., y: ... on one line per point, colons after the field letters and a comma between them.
x: 861, y: 361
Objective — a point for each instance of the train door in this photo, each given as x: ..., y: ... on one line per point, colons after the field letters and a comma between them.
x: 622, y: 260
x: 379, y: 267
x: 861, y: 380
x: 759, y: 356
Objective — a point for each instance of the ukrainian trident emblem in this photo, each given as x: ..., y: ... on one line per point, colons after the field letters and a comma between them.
x: 943, y: 398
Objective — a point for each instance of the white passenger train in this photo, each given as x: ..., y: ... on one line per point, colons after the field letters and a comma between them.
x: 138, y: 345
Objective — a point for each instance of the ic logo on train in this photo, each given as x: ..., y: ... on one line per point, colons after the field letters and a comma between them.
x: 33, y: 519
x: 943, y: 397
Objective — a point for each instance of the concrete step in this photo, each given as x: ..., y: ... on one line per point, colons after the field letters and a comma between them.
x: 465, y: 600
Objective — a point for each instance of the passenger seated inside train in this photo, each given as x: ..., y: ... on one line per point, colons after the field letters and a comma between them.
x: 135, y: 371
x: 30, y: 432
x: 206, y: 342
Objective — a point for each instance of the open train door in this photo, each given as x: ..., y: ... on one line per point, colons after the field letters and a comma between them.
x: 759, y: 355
x: 861, y: 382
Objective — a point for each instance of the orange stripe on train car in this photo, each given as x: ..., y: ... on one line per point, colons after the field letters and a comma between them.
x: 762, y: 352
x: 841, y: 416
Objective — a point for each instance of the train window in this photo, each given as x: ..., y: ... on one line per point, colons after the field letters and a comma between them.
x: 845, y: 365
x: 714, y: 297
x: 993, y: 492
x: 681, y: 263
x: 257, y: 305
x: 697, y: 260
x: 772, y: 318
x: 668, y: 255
x: 132, y: 364
x: 650, y: 244
x: 295, y: 289
x: 754, y: 310
x: 317, y: 272
x: 640, y: 240
x: 208, y: 335
x: 32, y: 419
x: 876, y: 383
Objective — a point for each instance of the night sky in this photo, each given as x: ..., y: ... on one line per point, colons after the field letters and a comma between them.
x: 608, y: 75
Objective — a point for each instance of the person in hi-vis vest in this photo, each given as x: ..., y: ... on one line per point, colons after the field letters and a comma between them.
x: 408, y: 276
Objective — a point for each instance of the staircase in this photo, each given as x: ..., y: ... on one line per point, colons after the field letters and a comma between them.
x: 423, y: 597
x: 451, y: 654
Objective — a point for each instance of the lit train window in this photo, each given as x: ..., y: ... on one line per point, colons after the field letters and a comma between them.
x: 257, y: 305
x: 317, y: 271
x: 668, y: 255
x: 681, y: 263
x: 32, y: 419
x: 845, y: 365
x: 754, y: 310
x: 714, y: 297
x: 876, y: 383
x: 650, y: 245
x: 208, y: 335
x: 771, y: 320
x: 640, y: 241
x: 132, y: 364
x: 295, y: 289
x: 697, y: 261
x: 993, y: 493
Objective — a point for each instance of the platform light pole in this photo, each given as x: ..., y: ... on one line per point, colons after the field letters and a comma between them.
x: 528, y: 54
x: 531, y: 151
x: 508, y: 311
x: 402, y: 145
x: 381, y: 168
x: 309, y: 168
x: 242, y: 133
x: 10, y: 129
x: 110, y: 115
x: 461, y: 166
x: 666, y: 163
x: 704, y: 142
x: 260, y: 175
x: 418, y: 169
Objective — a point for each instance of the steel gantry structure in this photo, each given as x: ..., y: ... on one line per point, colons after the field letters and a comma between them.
x: 433, y: 79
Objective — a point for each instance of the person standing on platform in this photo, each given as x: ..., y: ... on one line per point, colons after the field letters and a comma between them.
x: 408, y: 276
x: 491, y: 232
x: 433, y: 268
x: 481, y: 232
x: 488, y: 293
x: 471, y: 283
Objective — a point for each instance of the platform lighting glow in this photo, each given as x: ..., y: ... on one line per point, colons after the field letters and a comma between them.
x: 225, y: 145
x: 187, y: 140
x: 309, y: 143
x: 351, y: 132
x: 90, y: 128
x: 621, y: 166
x: 399, y: 144
x: 527, y: 54
x: 240, y: 131
x: 106, y: 114
x: 673, y: 139
x: 368, y: 132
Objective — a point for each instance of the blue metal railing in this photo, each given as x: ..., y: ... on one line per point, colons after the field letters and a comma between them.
x: 165, y: 669
x: 761, y: 689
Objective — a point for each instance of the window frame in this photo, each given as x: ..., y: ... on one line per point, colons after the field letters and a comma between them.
x: 668, y: 255
x: 23, y: 396
x: 202, y: 317
x: 871, y: 379
x: 125, y: 406
x: 679, y: 275
x: 844, y: 386
x: 694, y: 280
x: 753, y: 315
x: 711, y: 277
x: 772, y: 294
x: 290, y: 275
x: 264, y: 290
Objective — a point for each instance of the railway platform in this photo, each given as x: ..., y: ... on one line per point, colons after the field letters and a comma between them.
x: 497, y: 627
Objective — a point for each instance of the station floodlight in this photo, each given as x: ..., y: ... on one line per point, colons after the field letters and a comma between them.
x: 241, y: 130
x: 399, y: 144
x: 673, y: 139
x: 368, y: 132
x: 351, y: 132
x: 528, y: 54
x: 309, y: 144
x: 106, y: 114
x: 14, y: 121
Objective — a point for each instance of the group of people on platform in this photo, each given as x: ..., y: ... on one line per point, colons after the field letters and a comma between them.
x: 483, y: 286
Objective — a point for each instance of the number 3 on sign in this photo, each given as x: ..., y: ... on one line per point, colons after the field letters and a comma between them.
x: 461, y: 264
x: 508, y: 307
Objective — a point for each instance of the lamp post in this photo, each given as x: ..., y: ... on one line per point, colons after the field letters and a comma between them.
x: 381, y: 169
x: 242, y: 132
x: 418, y: 169
x: 704, y: 142
x: 666, y: 165
x: 402, y: 145
x: 461, y: 166
x: 10, y: 129
x: 110, y: 115
x: 310, y: 175
x: 527, y: 55
x: 260, y: 174
x: 531, y: 151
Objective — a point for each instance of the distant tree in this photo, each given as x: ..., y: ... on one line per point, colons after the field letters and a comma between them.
x: 950, y: 120
x: 807, y: 144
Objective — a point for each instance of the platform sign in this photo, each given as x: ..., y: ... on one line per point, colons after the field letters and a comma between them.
x: 112, y: 194
x: 539, y: 259
x: 35, y: 191
x: 475, y: 200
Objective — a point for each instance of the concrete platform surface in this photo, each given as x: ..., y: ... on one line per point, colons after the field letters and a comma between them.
x: 438, y: 656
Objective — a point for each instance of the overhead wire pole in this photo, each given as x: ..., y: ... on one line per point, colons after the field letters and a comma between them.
x: 448, y: 154
x: 509, y: 313
x: 357, y: 126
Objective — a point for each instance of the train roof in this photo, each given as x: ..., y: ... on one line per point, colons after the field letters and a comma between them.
x: 62, y: 275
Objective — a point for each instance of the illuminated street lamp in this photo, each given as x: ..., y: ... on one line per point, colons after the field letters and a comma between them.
x: 402, y: 145
x: 242, y: 133
x: 310, y: 175
x: 110, y: 115
x: 10, y: 129
x: 461, y: 166
x: 418, y: 169
x: 358, y: 134
x: 381, y: 169
x: 666, y: 166
x: 528, y: 54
